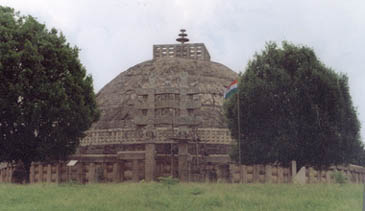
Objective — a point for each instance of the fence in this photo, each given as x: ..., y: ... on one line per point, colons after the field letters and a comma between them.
x: 91, y: 172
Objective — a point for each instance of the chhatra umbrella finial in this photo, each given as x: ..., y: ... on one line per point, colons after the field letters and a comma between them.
x: 182, y: 37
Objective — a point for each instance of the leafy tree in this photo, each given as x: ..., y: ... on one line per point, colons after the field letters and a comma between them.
x: 46, y: 99
x: 293, y: 107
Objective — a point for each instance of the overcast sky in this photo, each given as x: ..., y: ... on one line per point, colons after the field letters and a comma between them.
x: 116, y: 34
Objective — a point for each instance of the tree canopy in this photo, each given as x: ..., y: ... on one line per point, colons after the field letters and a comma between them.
x: 293, y: 107
x: 47, y: 100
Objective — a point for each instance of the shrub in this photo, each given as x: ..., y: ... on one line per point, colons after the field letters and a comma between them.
x: 168, y: 181
x: 339, y: 177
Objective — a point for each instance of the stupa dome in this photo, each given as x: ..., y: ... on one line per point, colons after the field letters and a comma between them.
x: 167, y: 91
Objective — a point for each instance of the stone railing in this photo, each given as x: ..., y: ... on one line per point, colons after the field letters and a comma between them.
x: 306, y: 175
x: 260, y: 174
x: 118, y: 136
x: 138, y: 165
x: 6, y: 173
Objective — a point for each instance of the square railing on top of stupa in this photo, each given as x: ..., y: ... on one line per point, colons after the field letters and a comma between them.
x: 196, y: 51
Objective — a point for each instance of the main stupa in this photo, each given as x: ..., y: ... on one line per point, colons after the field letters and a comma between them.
x: 164, y: 117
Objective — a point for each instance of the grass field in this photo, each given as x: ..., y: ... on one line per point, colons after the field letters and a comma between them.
x: 157, y: 196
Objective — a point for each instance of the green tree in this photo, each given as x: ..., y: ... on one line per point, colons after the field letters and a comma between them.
x: 46, y: 99
x: 293, y: 107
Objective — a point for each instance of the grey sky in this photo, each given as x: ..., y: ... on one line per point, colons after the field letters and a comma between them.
x: 115, y: 35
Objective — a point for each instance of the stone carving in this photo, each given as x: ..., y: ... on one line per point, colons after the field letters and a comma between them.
x: 117, y: 136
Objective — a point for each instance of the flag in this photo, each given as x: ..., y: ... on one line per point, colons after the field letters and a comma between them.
x: 232, y: 88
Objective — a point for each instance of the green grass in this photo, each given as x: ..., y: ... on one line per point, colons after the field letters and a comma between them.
x: 156, y: 196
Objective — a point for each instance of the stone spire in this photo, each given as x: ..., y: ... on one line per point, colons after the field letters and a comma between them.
x: 182, y: 37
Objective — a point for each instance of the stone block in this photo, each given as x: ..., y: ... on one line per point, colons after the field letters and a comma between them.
x: 300, y: 177
x: 131, y: 155
x: 135, y: 171
x: 150, y: 162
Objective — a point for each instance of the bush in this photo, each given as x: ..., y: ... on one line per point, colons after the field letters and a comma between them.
x: 339, y: 177
x: 168, y: 181
x: 197, y: 191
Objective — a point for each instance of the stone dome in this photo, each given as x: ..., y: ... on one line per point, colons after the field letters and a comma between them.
x: 176, y: 96
x: 123, y: 101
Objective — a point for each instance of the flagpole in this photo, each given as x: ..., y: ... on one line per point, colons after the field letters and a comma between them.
x: 239, y: 127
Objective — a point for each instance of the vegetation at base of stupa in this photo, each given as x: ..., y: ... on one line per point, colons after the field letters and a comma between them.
x: 47, y: 100
x: 293, y: 107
